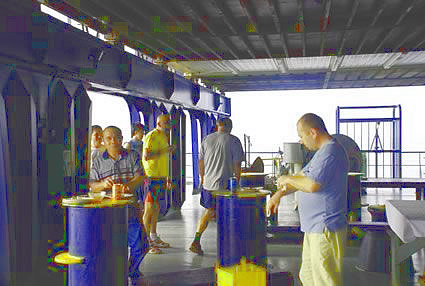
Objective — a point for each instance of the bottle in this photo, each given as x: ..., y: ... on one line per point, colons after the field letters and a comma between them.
x: 233, y: 184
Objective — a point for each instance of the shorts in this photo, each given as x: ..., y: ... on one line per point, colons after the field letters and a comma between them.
x: 207, y: 199
x: 152, y: 190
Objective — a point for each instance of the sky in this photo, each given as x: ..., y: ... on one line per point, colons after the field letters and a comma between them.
x: 269, y: 118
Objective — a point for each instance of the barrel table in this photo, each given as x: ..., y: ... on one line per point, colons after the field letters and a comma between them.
x: 97, y: 236
x: 241, y: 240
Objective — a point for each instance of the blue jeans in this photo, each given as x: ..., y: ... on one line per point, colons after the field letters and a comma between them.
x: 138, y: 243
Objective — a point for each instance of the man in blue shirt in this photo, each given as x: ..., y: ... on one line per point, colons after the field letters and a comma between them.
x: 322, y: 203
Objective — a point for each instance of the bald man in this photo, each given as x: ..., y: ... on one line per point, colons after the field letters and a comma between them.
x: 322, y: 203
x: 117, y: 165
x: 156, y: 156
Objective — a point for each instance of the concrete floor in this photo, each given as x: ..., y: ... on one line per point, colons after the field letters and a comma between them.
x: 178, y: 228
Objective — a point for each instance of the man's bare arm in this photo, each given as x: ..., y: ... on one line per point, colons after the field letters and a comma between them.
x: 101, y: 185
x: 299, y: 182
x: 201, y: 170
x: 151, y: 155
x: 135, y: 182
x: 237, y: 170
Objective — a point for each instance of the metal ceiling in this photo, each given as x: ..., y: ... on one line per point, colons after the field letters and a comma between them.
x: 271, y: 44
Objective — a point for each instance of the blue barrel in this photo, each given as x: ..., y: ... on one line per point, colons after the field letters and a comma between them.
x: 100, y: 236
x: 241, y: 228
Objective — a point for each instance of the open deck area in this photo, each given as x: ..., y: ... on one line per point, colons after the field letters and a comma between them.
x: 177, y: 263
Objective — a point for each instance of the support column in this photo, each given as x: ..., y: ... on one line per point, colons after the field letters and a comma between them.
x: 20, y: 114
x: 195, y: 149
x: 5, y: 232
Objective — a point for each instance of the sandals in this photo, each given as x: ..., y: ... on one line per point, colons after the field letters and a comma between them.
x: 196, y: 248
x: 153, y: 248
x: 160, y: 244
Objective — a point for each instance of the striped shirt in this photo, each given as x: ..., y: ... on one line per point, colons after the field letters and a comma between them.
x: 122, y: 170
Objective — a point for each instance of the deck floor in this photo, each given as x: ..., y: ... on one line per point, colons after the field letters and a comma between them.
x: 178, y: 228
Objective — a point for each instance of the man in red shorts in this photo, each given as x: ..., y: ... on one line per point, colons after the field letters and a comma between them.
x: 156, y: 154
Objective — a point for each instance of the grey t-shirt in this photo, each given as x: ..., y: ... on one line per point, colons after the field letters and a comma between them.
x: 220, y: 151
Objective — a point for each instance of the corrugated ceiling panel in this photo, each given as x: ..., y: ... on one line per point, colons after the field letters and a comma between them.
x: 254, y: 65
x: 308, y: 63
x: 358, y: 61
x: 411, y: 58
x: 205, y: 66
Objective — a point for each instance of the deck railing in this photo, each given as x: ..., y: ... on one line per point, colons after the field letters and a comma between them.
x: 413, y: 163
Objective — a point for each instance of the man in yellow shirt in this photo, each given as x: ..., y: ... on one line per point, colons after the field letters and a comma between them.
x: 156, y: 156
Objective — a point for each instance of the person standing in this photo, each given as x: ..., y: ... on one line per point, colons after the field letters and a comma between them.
x: 322, y: 203
x: 156, y: 157
x: 136, y: 141
x: 220, y: 158
x: 118, y: 166
x: 96, y: 141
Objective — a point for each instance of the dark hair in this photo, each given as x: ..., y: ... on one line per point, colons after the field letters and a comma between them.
x: 312, y: 120
x: 96, y: 127
x: 226, y: 122
x: 136, y: 127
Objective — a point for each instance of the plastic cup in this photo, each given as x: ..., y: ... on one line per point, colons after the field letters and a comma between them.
x: 117, y: 190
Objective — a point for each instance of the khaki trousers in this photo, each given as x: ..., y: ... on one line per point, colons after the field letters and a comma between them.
x: 322, y: 258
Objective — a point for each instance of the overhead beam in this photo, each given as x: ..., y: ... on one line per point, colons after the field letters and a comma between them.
x: 410, y: 23
x: 115, y: 28
x: 180, y: 24
x: 196, y: 14
x: 275, y: 13
x: 300, y: 13
x: 326, y: 80
x: 372, y: 24
x: 148, y: 18
x: 419, y: 44
x: 228, y: 19
x: 348, y: 25
x: 324, y: 22
x: 409, y: 35
x: 400, y: 19
x: 251, y: 15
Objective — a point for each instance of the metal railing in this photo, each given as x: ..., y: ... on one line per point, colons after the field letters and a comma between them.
x: 413, y: 163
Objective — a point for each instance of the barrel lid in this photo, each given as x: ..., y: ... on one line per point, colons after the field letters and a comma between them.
x: 243, y: 193
x: 87, y: 203
x: 66, y: 258
x: 355, y: 174
x: 253, y: 174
